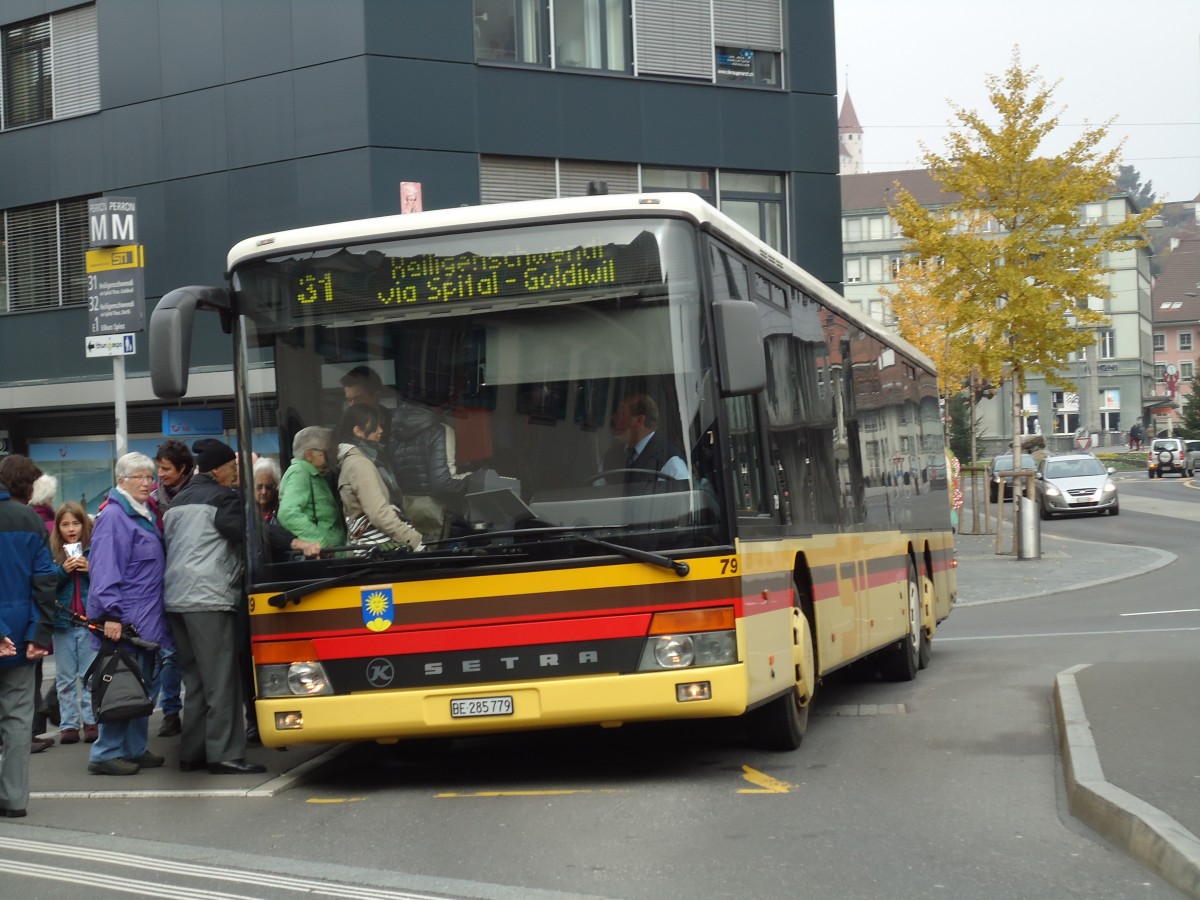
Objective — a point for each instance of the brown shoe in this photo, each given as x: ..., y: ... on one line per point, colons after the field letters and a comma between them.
x: 171, y: 725
x: 91, y: 733
x: 69, y: 736
x: 40, y: 744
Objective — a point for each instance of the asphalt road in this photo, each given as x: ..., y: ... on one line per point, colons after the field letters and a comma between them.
x: 948, y: 786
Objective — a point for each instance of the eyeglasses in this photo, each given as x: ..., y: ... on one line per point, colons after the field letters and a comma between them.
x: 145, y: 479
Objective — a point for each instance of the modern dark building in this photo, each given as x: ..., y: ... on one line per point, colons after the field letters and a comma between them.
x: 227, y: 119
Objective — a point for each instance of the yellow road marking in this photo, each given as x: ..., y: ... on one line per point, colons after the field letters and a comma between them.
x: 766, y: 784
x: 334, y: 799
x: 553, y: 793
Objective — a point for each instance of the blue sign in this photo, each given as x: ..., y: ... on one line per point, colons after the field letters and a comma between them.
x: 183, y: 423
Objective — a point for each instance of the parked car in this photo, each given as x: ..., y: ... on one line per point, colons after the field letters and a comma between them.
x: 1000, y: 472
x: 1192, y: 455
x: 1167, y: 455
x: 1076, y: 483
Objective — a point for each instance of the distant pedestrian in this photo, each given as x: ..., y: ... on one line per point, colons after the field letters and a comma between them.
x: 74, y: 651
x: 27, y: 585
x: 1135, y: 436
x: 42, y: 500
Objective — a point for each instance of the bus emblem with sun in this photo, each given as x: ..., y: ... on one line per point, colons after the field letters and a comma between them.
x: 378, y: 611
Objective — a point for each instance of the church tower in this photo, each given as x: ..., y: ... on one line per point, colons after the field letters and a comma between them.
x: 849, y: 140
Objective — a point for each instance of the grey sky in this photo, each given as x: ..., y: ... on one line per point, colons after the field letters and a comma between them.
x: 907, y: 60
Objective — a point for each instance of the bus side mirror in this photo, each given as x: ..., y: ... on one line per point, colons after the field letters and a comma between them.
x: 739, y: 348
x: 171, y: 335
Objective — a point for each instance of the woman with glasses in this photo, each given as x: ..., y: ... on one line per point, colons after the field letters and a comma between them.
x: 307, y: 506
x: 126, y: 567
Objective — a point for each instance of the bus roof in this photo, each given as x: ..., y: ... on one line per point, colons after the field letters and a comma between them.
x: 678, y: 204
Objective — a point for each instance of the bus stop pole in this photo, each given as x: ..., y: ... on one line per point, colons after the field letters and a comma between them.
x: 122, y: 426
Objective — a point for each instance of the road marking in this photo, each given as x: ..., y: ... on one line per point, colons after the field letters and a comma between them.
x: 1058, y: 634
x: 766, y: 784
x: 174, y: 867
x: 550, y: 793
x: 1161, y: 612
x: 334, y: 799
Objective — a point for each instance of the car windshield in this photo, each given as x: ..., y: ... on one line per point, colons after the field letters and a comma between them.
x: 1005, y: 463
x: 1074, y: 468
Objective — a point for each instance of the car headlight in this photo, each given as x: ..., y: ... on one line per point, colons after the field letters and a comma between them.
x: 1110, y: 487
x: 1052, y: 491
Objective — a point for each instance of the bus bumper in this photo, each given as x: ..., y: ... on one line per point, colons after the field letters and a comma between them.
x: 596, y: 700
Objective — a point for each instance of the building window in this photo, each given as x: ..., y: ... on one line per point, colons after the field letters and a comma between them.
x: 1093, y: 213
x: 698, y: 181
x: 739, y: 65
x: 592, y: 34
x: 1160, y: 371
x: 1187, y: 370
x: 50, y: 68
x: 852, y: 229
x: 1108, y: 344
x: 875, y: 269
x: 1185, y: 341
x: 43, y: 266
x: 853, y: 271
x: 755, y: 201
x: 511, y: 31
x: 1160, y: 343
x: 875, y: 228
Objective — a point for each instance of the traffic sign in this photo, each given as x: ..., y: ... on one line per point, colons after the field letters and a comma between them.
x: 110, y: 345
x: 116, y: 297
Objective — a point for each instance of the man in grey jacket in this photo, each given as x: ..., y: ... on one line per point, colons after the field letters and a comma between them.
x: 205, y: 531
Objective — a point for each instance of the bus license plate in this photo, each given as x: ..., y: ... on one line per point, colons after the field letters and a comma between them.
x: 481, y: 706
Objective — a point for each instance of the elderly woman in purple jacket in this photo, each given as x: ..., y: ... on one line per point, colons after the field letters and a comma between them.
x: 127, y: 563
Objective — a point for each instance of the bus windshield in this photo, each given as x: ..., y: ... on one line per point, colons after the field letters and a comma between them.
x: 561, y: 375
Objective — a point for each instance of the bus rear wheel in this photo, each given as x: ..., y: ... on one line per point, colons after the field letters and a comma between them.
x: 900, y: 661
x: 781, y: 723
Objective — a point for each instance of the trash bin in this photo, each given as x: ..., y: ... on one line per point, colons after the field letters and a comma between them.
x: 1029, y: 533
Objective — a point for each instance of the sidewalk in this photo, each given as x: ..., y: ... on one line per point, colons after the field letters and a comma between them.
x: 1142, y: 793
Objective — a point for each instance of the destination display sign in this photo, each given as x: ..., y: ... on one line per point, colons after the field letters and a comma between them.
x: 349, y: 283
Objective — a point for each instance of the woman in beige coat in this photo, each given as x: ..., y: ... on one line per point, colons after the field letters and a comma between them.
x: 367, y: 487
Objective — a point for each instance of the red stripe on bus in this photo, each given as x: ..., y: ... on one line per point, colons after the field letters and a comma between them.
x: 464, y: 635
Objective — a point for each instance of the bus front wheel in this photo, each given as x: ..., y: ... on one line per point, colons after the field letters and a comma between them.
x: 781, y: 723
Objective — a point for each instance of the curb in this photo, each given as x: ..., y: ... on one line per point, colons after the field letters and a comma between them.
x: 1146, y: 833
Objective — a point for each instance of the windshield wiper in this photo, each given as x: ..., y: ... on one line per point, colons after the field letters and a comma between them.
x: 655, y: 559
x: 296, y: 594
x: 579, y: 533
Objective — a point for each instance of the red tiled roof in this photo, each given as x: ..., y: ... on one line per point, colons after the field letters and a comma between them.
x: 1180, y: 277
x: 848, y: 119
x: 873, y: 190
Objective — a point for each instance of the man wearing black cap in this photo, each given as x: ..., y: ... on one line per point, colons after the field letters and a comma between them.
x: 204, y: 531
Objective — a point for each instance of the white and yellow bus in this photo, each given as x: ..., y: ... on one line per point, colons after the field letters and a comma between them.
x: 795, y: 518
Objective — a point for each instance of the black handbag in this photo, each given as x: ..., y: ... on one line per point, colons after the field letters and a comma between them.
x: 117, y: 685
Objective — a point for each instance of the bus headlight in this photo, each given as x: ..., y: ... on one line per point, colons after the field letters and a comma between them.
x: 674, y: 651
x: 681, y: 651
x: 304, y: 678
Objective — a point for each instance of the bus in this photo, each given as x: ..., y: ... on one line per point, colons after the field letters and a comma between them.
x: 800, y: 523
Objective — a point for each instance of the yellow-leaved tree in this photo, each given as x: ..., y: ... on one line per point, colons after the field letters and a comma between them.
x: 999, y: 278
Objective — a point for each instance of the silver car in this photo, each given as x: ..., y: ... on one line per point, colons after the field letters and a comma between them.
x: 1076, y: 484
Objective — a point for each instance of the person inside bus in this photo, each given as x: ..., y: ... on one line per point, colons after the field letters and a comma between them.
x: 641, y: 453
x: 366, y: 484
x: 308, y: 507
x: 362, y: 386
x: 423, y: 457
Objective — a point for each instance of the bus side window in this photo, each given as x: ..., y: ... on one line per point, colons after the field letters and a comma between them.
x: 745, y: 461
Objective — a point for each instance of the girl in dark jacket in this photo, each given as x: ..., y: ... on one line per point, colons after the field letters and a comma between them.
x: 70, y: 543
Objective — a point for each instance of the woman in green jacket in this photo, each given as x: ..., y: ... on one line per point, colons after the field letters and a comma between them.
x: 307, y: 507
